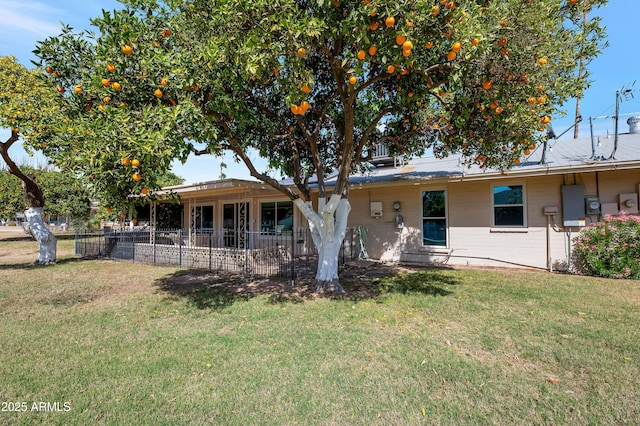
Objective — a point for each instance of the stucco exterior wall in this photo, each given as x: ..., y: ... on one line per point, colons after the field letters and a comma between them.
x: 472, y: 237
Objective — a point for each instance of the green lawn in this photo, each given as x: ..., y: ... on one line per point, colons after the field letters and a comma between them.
x: 122, y: 343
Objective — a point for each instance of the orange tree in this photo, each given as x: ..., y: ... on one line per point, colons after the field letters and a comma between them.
x: 313, y: 86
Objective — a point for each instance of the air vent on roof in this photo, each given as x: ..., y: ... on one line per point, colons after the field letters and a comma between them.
x: 634, y: 124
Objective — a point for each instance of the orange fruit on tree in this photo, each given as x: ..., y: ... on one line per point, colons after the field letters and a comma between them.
x: 545, y: 120
x: 144, y: 191
x: 451, y: 55
x: 428, y: 45
x: 305, y: 106
x: 116, y: 86
x: 373, y: 50
x: 305, y: 88
x: 127, y: 49
x: 531, y: 100
x: 125, y: 161
x: 49, y: 70
x: 111, y: 68
x: 406, y: 52
x: 435, y: 10
x: 391, y: 69
x: 157, y: 93
x: 106, y: 100
x: 361, y: 54
x: 105, y: 82
x: 295, y: 109
x: 400, y: 39
x: 135, y: 162
x: 136, y: 176
x: 475, y: 41
x: 374, y: 25
x: 542, y: 61
x: 502, y: 42
x: 499, y: 110
x: 164, y: 82
x: 456, y: 46
x: 487, y: 85
x: 353, y: 80
x: 390, y: 21
x: 302, y: 52
x: 526, y: 152
x: 407, y: 45
x: 77, y: 90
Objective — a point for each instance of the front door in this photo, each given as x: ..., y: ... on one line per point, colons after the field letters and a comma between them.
x: 235, y: 220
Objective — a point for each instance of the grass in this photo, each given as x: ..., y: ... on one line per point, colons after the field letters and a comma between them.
x: 125, y: 343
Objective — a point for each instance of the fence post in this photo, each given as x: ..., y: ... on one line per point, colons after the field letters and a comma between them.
x: 210, y: 250
x: 155, y: 238
x: 133, y: 248
x: 246, y: 254
x: 293, y: 256
x: 180, y: 245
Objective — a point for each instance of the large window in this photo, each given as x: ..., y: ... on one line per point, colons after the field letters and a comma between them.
x: 276, y: 217
x: 204, y: 218
x: 508, y: 205
x: 434, y: 218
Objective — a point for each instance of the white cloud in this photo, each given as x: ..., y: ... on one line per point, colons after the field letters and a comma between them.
x: 28, y: 16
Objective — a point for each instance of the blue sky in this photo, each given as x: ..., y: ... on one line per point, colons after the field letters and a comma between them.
x: 24, y: 22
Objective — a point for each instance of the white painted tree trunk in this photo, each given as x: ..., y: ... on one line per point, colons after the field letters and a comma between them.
x: 43, y: 236
x: 328, y: 232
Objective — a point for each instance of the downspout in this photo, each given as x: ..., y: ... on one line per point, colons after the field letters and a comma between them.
x: 549, y: 262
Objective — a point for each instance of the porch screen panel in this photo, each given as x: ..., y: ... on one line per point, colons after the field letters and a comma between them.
x: 434, y: 218
x: 276, y: 217
x: 204, y: 218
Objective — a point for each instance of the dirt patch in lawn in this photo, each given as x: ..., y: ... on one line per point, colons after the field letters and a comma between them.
x: 355, y: 277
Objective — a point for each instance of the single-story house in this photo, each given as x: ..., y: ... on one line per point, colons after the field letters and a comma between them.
x: 429, y: 210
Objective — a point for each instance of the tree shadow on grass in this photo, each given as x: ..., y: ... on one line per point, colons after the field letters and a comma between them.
x: 205, y: 290
x: 219, y: 290
x: 31, y: 265
x: 374, y: 282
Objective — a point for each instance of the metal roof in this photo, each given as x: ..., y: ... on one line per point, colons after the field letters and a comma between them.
x: 563, y: 156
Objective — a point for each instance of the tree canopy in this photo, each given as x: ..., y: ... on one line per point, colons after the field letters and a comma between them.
x: 314, y: 86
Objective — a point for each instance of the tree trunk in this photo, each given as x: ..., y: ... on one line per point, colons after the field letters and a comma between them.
x: 35, y: 200
x: 41, y: 233
x: 328, y: 233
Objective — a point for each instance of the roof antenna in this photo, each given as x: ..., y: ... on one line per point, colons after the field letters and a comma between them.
x: 552, y: 135
x: 626, y: 91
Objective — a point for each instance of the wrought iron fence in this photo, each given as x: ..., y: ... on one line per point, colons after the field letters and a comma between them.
x: 288, y: 254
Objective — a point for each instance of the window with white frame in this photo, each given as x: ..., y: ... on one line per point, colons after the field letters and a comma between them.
x: 204, y: 218
x: 434, y: 218
x: 508, y: 205
x: 276, y: 217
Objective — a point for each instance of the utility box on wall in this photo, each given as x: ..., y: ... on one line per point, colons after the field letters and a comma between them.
x: 573, y: 211
x: 376, y: 209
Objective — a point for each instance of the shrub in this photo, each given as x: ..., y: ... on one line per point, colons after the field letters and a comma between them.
x: 610, y: 248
